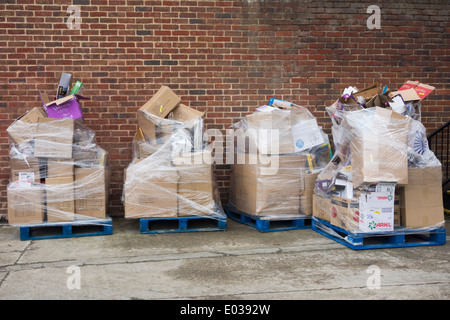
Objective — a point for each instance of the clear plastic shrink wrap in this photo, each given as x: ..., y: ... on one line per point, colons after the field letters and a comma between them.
x: 279, y: 153
x: 58, y: 172
x: 382, y: 177
x: 171, y: 173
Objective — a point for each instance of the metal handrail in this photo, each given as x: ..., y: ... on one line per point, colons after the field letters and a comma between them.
x: 435, y: 135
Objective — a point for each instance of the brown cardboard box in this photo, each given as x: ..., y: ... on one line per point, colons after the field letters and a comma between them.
x: 24, y: 128
x: 344, y: 213
x: 421, y: 203
x: 28, y: 165
x: 306, y: 192
x: 160, y: 105
x: 60, y: 190
x: 195, y: 198
x: 60, y: 199
x: 280, y: 121
x: 60, y: 168
x: 25, y: 205
x: 195, y: 187
x: 275, y: 194
x: 150, y: 195
x: 54, y: 138
x: 380, y: 154
x: 322, y: 207
x: 184, y: 113
x: 91, y: 192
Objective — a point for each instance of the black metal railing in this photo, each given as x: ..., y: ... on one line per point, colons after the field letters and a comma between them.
x: 438, y: 142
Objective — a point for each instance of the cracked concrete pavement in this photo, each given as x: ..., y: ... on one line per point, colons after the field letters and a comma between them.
x: 239, y: 263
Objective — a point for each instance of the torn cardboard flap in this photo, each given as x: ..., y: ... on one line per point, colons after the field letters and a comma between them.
x: 413, y: 91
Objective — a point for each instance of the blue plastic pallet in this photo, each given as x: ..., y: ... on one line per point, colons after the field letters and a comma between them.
x: 84, y: 228
x: 183, y: 224
x: 270, y: 223
x: 399, y: 238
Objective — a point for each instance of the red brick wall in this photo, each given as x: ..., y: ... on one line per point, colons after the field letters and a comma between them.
x: 224, y: 56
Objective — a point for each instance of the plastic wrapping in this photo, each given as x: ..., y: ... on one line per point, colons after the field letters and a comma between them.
x: 279, y: 154
x: 171, y: 173
x: 58, y: 172
x: 383, y: 176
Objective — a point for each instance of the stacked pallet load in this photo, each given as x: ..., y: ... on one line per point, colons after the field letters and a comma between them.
x: 171, y: 176
x: 59, y: 174
x: 383, y: 185
x: 280, y: 150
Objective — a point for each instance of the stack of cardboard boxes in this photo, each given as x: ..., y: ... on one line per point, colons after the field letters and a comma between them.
x: 378, y: 178
x: 58, y: 172
x: 274, y: 174
x: 171, y: 174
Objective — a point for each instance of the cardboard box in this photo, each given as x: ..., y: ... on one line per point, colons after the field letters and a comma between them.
x: 91, y: 193
x: 152, y: 194
x: 25, y: 205
x: 24, y: 128
x: 160, y: 105
x: 380, y: 152
x: 421, y: 202
x: 184, y: 113
x: 297, y: 131
x: 60, y: 168
x: 307, y: 183
x: 60, y: 199
x: 259, y: 194
x: 376, y: 209
x: 67, y: 107
x: 195, y: 198
x: 195, y: 188
x: 321, y: 207
x: 344, y: 213
x: 54, y: 138
x: 29, y: 167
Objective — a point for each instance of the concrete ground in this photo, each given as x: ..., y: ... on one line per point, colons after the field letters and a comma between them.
x: 239, y: 263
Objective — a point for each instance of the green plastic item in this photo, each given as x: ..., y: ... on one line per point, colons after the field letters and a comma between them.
x: 76, y: 87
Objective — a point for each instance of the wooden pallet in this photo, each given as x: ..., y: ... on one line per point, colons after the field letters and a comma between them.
x: 183, y: 224
x: 270, y: 223
x: 399, y: 238
x: 55, y: 230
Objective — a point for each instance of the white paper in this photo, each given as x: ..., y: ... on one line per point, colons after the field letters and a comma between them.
x: 25, y: 179
x: 306, y: 134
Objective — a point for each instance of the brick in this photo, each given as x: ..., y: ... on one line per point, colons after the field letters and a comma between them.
x: 227, y: 57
